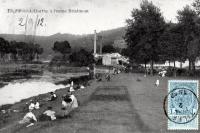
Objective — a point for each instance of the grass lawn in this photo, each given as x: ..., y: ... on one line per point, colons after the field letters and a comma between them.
x: 128, y: 103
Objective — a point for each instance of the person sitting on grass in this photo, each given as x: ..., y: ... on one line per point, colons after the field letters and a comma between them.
x: 108, y: 77
x: 69, y: 103
x: 66, y: 105
x: 49, y: 114
x: 29, y: 119
x: 37, y: 104
x: 74, y: 101
x: 32, y: 105
x: 52, y: 96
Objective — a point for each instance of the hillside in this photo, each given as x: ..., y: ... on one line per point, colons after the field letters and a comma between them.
x: 76, y: 41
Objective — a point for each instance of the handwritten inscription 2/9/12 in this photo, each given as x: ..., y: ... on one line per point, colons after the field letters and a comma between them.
x: 23, y: 21
x: 30, y: 23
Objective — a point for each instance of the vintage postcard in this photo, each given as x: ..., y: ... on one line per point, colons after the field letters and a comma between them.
x: 99, y: 66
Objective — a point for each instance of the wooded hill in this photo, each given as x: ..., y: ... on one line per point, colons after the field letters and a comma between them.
x: 76, y: 41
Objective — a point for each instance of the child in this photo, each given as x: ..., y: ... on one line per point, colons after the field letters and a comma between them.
x: 28, y: 118
x: 157, y: 83
x: 66, y: 104
x: 31, y: 106
x: 53, y: 96
x: 37, y: 105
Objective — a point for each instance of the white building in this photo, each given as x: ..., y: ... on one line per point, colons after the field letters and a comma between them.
x: 114, y: 59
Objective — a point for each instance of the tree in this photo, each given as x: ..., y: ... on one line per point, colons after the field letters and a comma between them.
x: 108, y: 49
x: 172, y: 44
x: 172, y: 48
x: 144, y: 30
x: 193, y: 52
x: 63, y: 47
x: 38, y: 50
x: 196, y: 5
x: 4, y: 47
x: 82, y: 58
x: 13, y: 50
x: 190, y: 28
x: 19, y: 50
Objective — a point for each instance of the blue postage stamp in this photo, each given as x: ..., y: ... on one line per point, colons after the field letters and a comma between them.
x: 183, y: 105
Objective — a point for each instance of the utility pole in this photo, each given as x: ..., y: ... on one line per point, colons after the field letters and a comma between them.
x: 95, y: 46
x: 95, y: 42
x: 100, y: 38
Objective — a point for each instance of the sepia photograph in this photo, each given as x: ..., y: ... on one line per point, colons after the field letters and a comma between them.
x: 99, y: 66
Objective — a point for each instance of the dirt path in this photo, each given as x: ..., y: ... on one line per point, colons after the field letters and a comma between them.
x: 108, y: 110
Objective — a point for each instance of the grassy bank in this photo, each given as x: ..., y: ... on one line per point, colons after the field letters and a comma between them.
x: 15, y: 112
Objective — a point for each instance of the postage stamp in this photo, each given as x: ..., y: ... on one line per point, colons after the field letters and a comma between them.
x: 183, y: 105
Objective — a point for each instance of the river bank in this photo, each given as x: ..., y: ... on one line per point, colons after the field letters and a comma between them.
x: 14, y: 112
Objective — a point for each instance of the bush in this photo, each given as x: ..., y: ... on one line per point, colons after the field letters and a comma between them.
x: 81, y: 58
x: 170, y: 71
x: 181, y: 72
x: 197, y: 73
x: 136, y: 69
x: 80, y: 80
x: 59, y: 61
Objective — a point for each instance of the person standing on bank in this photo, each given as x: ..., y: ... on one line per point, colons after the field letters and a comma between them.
x: 71, y: 88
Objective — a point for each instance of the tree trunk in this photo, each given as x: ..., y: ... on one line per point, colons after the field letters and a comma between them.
x: 181, y: 65
x: 145, y: 66
x: 189, y: 68
x: 169, y: 63
x: 151, y: 67
x: 174, y: 64
x: 193, y: 65
x: 174, y: 68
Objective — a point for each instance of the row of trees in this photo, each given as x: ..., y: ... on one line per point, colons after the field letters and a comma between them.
x: 151, y: 39
x: 19, y: 50
x: 81, y: 57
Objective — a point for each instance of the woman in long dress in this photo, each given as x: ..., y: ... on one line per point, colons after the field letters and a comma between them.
x: 69, y: 103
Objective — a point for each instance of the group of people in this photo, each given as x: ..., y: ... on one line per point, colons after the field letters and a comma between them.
x: 34, y: 105
x: 99, y: 77
x: 69, y: 102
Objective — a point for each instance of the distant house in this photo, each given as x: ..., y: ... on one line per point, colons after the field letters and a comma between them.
x: 110, y: 61
x: 114, y: 59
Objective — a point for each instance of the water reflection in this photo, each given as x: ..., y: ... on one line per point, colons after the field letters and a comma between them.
x: 14, y: 92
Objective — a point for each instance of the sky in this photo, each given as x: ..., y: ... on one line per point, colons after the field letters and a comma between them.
x: 47, y: 17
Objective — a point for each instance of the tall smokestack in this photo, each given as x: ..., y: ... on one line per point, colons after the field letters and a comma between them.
x: 100, y: 41
x: 95, y: 41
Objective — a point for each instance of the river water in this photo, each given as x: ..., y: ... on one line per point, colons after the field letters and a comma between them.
x: 14, y: 92
x: 21, y: 89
